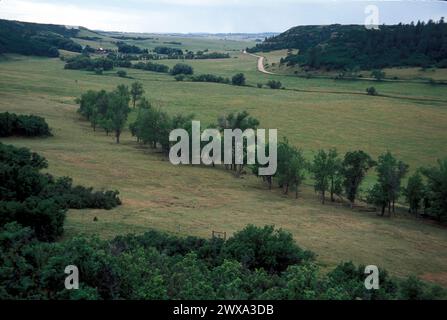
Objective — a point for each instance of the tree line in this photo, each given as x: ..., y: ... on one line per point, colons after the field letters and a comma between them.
x: 336, y: 47
x: 36, y: 39
x: 331, y: 173
x: 98, y: 65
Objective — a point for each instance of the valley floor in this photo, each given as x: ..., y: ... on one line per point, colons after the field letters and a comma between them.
x: 196, y: 200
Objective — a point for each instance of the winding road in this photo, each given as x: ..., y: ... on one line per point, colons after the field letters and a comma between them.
x: 261, y: 67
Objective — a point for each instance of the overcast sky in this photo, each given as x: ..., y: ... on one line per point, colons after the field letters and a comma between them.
x: 214, y: 16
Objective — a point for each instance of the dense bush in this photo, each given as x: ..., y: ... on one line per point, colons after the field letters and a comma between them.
x: 78, y: 197
x: 266, y: 248
x: 274, y: 84
x: 23, y: 125
x: 83, y: 62
x: 39, y: 201
x: 157, y: 266
x: 44, y: 216
x: 181, y: 68
x: 371, y: 91
x: 238, y: 79
x: 121, y: 74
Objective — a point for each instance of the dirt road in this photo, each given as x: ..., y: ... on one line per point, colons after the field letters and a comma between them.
x: 261, y: 67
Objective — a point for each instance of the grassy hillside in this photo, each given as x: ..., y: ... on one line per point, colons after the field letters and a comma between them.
x: 196, y: 200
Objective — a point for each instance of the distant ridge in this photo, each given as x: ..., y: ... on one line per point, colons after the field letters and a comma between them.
x: 354, y: 46
x: 36, y: 39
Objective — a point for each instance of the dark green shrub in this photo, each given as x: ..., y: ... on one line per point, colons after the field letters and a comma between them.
x: 181, y: 68
x: 150, y: 66
x: 238, y: 79
x: 371, y: 91
x: 23, y: 125
x: 44, y: 217
x: 122, y: 74
x: 273, y: 84
x: 210, y: 78
x: 267, y: 248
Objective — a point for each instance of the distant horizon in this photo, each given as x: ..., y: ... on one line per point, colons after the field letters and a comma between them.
x: 200, y: 32
x: 214, y: 16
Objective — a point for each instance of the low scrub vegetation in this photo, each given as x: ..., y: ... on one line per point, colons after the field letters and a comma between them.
x: 39, y: 201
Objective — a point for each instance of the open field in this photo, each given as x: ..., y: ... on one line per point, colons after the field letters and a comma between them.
x: 150, y: 41
x: 197, y: 200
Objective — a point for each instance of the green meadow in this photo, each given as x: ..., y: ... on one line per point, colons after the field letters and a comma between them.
x: 410, y: 120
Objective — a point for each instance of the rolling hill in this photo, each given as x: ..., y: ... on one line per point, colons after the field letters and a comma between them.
x: 36, y: 39
x: 337, y: 47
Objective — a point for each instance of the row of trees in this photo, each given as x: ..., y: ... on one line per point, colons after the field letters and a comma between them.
x: 126, y: 48
x: 84, y: 62
x: 129, y: 52
x: 39, y: 201
x: 151, y: 66
x: 343, y: 177
x: 237, y: 80
x: 110, y: 110
x: 255, y: 264
x: 174, y: 53
x: 23, y: 125
x: 181, y: 70
x: 331, y: 174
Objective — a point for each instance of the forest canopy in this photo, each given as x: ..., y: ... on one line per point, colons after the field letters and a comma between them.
x: 36, y: 39
x: 337, y: 47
